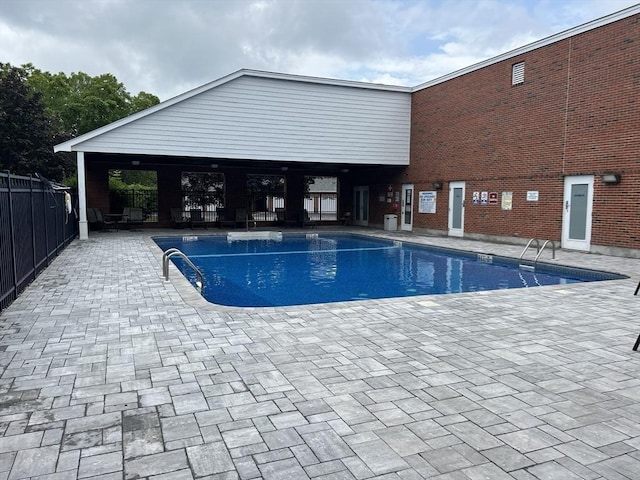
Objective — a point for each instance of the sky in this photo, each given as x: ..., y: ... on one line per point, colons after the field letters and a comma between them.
x: 167, y: 47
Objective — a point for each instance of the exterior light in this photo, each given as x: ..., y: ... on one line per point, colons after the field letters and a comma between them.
x: 214, y: 165
x: 610, y: 178
x: 135, y: 162
x: 437, y: 185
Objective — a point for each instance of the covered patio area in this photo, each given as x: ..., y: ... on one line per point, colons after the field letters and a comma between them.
x: 254, y: 128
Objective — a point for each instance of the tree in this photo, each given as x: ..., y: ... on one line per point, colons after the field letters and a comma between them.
x: 41, y: 109
x: 202, y: 189
x: 83, y: 103
x: 261, y: 187
x: 27, y: 134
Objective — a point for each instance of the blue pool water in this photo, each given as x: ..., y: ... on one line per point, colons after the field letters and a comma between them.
x: 320, y: 268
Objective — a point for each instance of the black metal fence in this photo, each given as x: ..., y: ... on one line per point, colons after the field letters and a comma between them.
x: 34, y: 228
x: 145, y: 199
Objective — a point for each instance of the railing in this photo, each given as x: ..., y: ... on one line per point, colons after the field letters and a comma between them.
x: 171, y: 252
x: 539, y: 250
x: 145, y: 199
x: 34, y: 228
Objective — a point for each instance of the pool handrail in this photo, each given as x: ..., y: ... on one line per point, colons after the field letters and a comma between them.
x: 175, y: 251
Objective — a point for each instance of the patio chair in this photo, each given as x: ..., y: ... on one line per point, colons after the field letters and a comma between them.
x: 123, y: 221
x: 241, y: 217
x: 103, y: 223
x: 223, y: 219
x: 91, y: 219
x: 346, y: 219
x: 305, y: 221
x: 135, y: 218
x: 197, y: 220
x: 178, y: 220
x: 281, y: 218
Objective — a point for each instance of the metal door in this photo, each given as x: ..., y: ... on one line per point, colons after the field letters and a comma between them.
x: 576, y: 218
x: 406, y: 211
x: 456, y: 209
x: 361, y: 206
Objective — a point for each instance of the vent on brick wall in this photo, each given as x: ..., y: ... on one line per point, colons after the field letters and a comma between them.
x: 517, y: 73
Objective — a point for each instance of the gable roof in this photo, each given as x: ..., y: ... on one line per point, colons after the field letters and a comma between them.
x: 69, y: 145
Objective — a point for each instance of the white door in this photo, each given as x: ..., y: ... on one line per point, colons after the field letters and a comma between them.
x: 456, y: 209
x: 576, y: 216
x: 406, y: 210
x: 361, y: 206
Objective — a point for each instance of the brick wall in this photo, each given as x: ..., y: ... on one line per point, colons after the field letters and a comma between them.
x: 578, y: 112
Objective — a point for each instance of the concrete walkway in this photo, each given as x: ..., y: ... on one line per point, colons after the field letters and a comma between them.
x: 109, y: 372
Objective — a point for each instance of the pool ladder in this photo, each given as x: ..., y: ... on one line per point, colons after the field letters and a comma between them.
x: 176, y: 252
x: 539, y: 250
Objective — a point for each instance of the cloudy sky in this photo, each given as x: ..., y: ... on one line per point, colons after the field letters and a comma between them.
x: 166, y: 47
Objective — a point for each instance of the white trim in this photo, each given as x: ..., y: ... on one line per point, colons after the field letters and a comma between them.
x: 82, y: 197
x: 73, y: 144
x: 585, y: 27
x: 456, y: 232
x: 407, y: 226
x: 517, y: 73
x: 572, y: 243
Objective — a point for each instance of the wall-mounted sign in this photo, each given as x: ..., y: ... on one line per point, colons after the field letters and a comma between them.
x: 396, y: 196
x: 507, y: 200
x: 484, y: 198
x: 427, y: 202
x: 493, y: 198
x: 532, y: 196
x: 475, y: 198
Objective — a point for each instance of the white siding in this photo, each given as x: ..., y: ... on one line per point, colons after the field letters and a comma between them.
x: 272, y: 119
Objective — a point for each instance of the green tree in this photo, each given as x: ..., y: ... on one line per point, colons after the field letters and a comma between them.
x: 81, y: 103
x: 27, y: 134
x: 41, y: 109
x: 202, y: 189
x: 260, y: 187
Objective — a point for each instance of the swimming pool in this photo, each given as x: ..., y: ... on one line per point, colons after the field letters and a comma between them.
x: 299, y: 269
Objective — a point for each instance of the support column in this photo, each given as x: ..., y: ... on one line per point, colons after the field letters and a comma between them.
x: 82, y: 198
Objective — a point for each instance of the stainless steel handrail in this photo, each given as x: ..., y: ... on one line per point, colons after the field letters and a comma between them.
x: 553, y: 247
x: 166, y: 256
x: 528, y: 245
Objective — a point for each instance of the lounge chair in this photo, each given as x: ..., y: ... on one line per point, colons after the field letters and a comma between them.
x: 178, y: 220
x: 101, y: 222
x: 223, y: 220
x: 197, y: 220
x: 305, y: 221
x: 346, y: 218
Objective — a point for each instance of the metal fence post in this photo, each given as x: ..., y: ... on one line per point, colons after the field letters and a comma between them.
x: 33, y: 227
x: 13, y: 239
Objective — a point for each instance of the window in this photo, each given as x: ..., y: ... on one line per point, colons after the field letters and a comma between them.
x: 517, y: 74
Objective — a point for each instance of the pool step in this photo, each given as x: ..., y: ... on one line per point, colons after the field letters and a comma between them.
x: 529, y: 268
x: 256, y: 235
